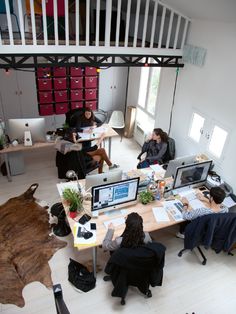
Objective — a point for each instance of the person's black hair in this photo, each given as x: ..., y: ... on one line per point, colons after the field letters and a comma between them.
x: 133, y: 235
x: 91, y: 119
x: 163, y: 135
x: 218, y: 194
x: 68, y: 136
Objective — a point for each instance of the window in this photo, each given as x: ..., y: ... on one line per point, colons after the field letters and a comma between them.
x: 148, y: 89
x: 196, y: 127
x: 217, y: 141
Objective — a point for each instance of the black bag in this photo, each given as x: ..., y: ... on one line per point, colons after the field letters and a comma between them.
x: 80, y: 277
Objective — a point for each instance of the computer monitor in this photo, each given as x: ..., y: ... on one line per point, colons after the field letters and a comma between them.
x: 192, y: 175
x: 177, y: 162
x: 36, y: 126
x: 102, y: 178
x: 114, y: 195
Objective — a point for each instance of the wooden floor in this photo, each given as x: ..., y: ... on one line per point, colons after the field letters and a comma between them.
x: 188, y: 286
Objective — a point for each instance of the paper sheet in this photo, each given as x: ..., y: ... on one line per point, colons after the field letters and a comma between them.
x: 157, y: 168
x: 172, y: 210
x: 81, y: 240
x: 196, y: 203
x: 229, y: 202
x: 160, y: 214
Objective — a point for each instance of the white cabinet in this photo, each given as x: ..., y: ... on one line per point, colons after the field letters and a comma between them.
x: 18, y: 94
x: 112, y: 88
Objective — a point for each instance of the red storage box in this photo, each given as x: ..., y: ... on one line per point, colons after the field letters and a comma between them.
x: 46, y: 110
x: 90, y: 94
x: 45, y: 97
x: 60, y: 83
x: 76, y: 104
x: 44, y: 72
x: 74, y: 71
x: 61, y: 96
x: 59, y: 71
x: 91, y: 81
x: 44, y: 84
x: 61, y: 108
x: 76, y: 82
x: 76, y: 94
x: 91, y: 104
x: 90, y: 71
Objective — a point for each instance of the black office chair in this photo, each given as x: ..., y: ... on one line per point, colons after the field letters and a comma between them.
x: 217, y: 231
x: 139, y: 267
x: 170, y: 152
x: 61, y: 229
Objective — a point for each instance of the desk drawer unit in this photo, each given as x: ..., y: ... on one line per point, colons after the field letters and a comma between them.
x: 91, y: 104
x: 90, y: 94
x: 45, y: 97
x: 61, y: 96
x: 59, y: 83
x: 74, y: 71
x: 90, y: 71
x: 46, y: 110
x: 61, y: 108
x: 44, y: 84
x: 43, y: 72
x: 76, y: 82
x: 76, y: 104
x: 59, y: 71
x: 91, y: 81
x: 76, y: 94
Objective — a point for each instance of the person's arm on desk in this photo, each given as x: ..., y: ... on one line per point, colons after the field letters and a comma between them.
x: 108, y: 243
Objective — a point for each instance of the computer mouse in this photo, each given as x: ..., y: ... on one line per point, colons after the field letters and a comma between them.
x: 88, y: 235
x: 206, y: 194
x: 164, y: 166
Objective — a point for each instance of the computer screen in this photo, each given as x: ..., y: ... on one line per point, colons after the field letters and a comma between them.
x: 177, y: 162
x: 36, y: 126
x: 102, y: 178
x: 193, y: 175
x: 114, y: 195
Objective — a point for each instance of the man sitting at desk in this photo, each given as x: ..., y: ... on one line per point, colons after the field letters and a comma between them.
x: 211, y: 205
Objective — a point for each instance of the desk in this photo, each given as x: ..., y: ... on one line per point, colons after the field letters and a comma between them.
x: 145, y: 211
x: 21, y: 148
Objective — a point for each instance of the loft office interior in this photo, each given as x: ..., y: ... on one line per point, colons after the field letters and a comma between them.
x: 206, y: 90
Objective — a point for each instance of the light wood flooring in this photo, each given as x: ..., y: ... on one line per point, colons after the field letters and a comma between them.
x: 187, y: 287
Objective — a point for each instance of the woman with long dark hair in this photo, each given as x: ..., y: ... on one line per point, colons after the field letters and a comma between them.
x: 132, y: 237
x: 155, y: 148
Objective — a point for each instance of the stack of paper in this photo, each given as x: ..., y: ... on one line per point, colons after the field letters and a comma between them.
x: 173, y: 210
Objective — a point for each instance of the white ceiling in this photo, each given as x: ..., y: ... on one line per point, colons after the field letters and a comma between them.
x: 214, y: 10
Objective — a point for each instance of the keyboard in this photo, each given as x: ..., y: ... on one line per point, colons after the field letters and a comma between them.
x: 116, y: 222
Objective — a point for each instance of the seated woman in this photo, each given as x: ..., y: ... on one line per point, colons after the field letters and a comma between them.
x: 132, y: 237
x: 155, y: 148
x: 211, y: 205
x: 70, y: 143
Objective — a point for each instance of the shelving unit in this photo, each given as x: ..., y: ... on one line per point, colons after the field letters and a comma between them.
x: 60, y: 89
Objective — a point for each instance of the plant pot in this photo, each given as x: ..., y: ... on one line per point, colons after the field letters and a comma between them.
x: 73, y: 215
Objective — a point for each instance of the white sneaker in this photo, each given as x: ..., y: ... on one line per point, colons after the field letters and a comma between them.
x: 113, y: 166
x: 180, y: 235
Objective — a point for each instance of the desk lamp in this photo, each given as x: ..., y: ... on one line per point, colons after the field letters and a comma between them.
x: 71, y: 174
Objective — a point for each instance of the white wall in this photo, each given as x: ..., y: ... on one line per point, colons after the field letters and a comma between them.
x: 210, y: 89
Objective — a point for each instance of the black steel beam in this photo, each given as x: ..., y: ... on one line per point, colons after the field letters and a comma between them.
x: 104, y: 60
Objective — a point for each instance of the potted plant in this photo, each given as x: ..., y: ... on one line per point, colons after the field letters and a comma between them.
x: 146, y: 197
x: 74, y: 200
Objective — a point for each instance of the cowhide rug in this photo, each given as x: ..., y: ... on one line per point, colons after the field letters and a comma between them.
x: 25, y: 246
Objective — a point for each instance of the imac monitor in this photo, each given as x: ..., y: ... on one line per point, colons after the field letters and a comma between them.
x: 177, y: 162
x: 36, y: 126
x: 192, y: 175
x: 114, y: 195
x: 102, y: 178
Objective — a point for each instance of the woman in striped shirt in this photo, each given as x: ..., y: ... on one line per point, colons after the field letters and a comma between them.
x: 212, y: 205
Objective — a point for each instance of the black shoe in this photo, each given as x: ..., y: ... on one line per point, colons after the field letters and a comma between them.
x: 107, y: 278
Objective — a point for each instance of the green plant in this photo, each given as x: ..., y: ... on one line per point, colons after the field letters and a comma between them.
x: 74, y: 199
x: 146, y: 197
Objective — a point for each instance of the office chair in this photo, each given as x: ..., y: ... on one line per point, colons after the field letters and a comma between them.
x: 217, y: 231
x: 139, y: 267
x: 61, y: 229
x: 3, y: 12
x: 117, y: 121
